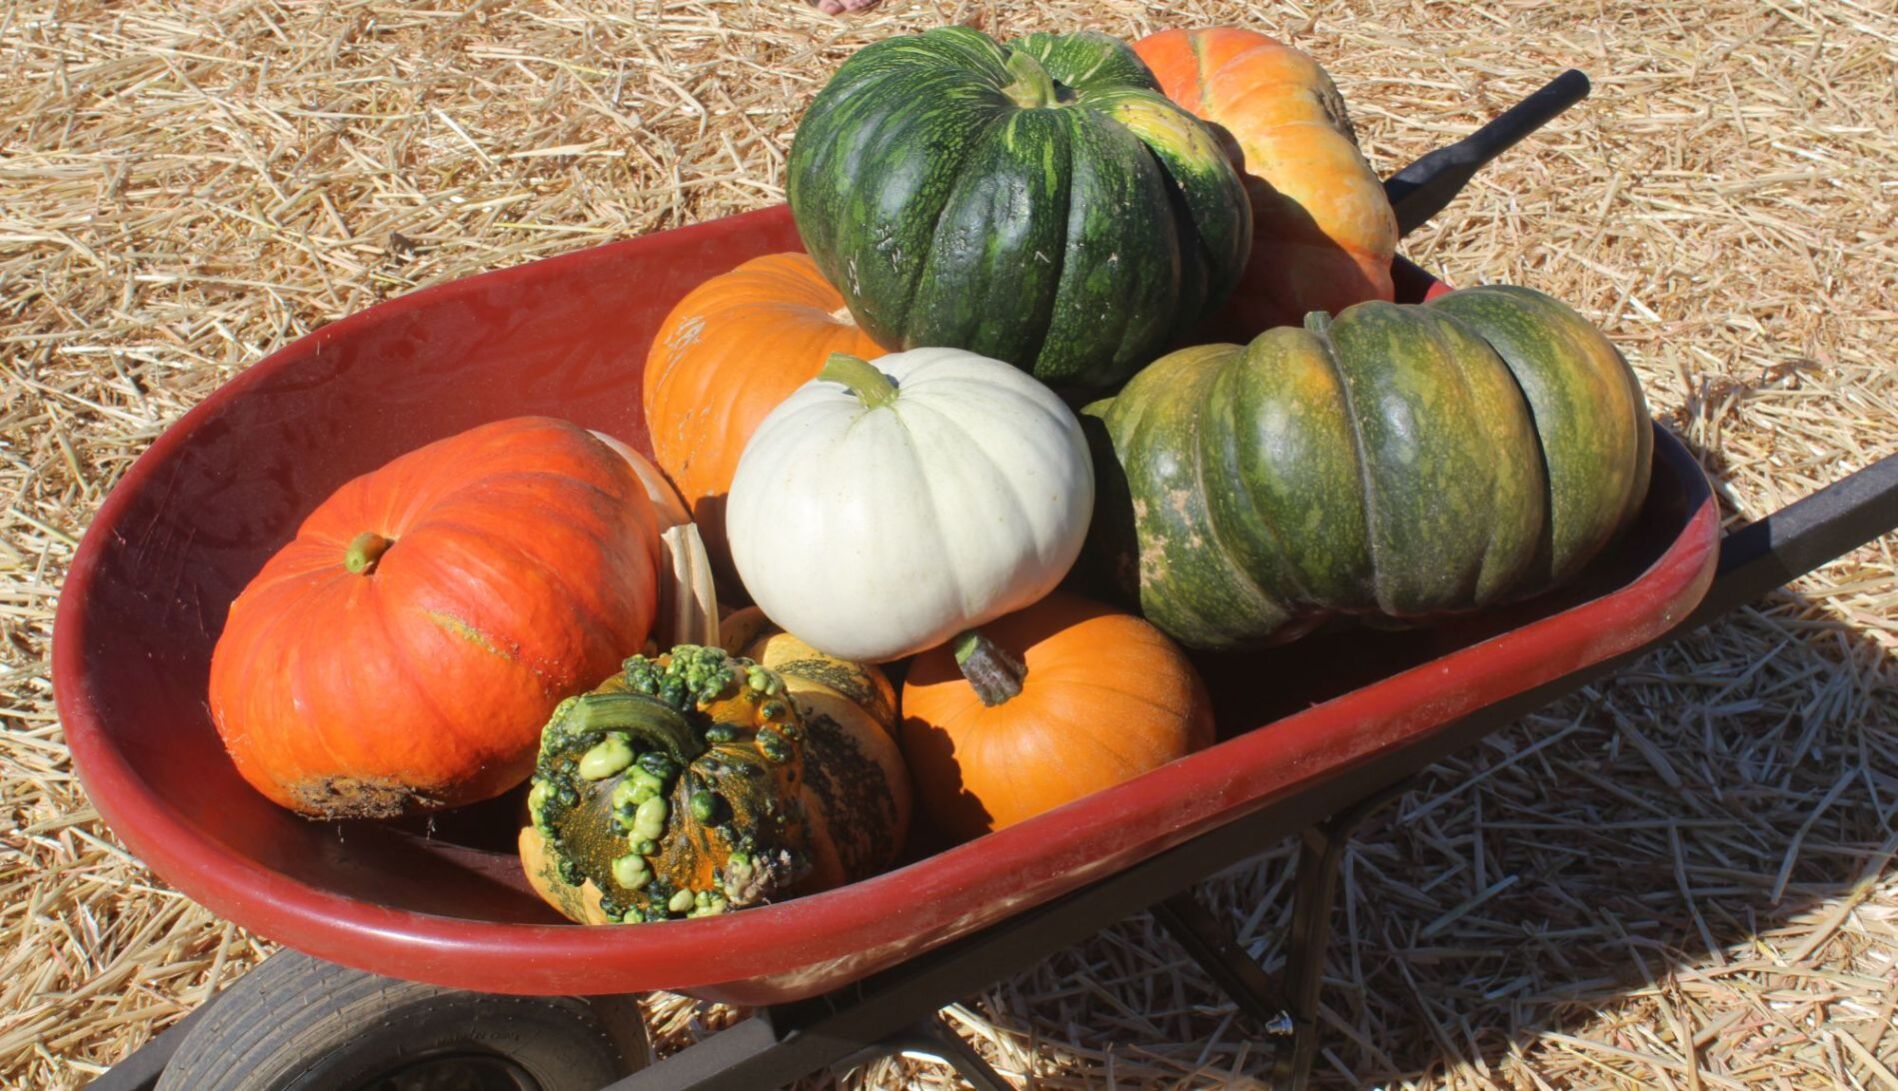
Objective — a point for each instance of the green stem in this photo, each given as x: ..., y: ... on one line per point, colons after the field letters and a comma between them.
x: 1318, y: 322
x: 1033, y: 87
x: 364, y: 551
x: 871, y: 386
x: 995, y: 672
x: 652, y: 723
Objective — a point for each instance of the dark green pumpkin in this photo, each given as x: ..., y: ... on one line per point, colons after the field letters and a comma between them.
x: 1040, y: 202
x: 1399, y: 460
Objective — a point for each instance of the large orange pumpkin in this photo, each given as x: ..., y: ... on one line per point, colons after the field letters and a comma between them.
x: 1323, y: 233
x: 731, y: 350
x: 1043, y: 707
x: 401, y: 653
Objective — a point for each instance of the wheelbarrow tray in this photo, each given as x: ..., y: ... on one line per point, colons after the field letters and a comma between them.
x: 444, y: 901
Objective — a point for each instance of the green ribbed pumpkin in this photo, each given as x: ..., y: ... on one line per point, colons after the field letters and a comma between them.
x: 1398, y: 460
x: 1040, y: 202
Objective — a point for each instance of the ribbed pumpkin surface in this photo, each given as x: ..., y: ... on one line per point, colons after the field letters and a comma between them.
x: 1401, y: 460
x: 1040, y: 203
x: 514, y: 564
x: 1104, y: 698
x: 1323, y: 233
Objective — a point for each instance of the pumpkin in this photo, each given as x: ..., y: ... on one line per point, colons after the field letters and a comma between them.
x: 1042, y: 707
x: 702, y: 781
x: 1040, y: 202
x: 877, y: 514
x: 400, y: 654
x: 1323, y: 232
x: 729, y: 352
x: 1400, y: 460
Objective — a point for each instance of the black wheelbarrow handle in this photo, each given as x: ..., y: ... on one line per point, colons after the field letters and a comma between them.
x: 1422, y: 189
x: 1781, y: 547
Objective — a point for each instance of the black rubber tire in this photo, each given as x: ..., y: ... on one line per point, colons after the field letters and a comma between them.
x: 296, y: 1023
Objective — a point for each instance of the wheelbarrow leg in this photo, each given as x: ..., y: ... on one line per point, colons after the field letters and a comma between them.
x: 932, y: 1037
x: 1209, y: 940
x: 1289, y: 1008
x: 1316, y: 890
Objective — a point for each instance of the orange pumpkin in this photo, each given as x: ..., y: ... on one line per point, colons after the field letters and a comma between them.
x: 401, y: 653
x: 1043, y: 707
x: 731, y: 350
x: 1323, y: 233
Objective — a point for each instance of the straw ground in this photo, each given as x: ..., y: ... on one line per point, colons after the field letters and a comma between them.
x: 1681, y: 878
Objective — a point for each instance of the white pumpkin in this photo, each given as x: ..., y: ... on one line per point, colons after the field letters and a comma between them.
x: 874, y: 521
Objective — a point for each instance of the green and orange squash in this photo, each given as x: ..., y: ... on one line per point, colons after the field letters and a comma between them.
x: 707, y: 780
x: 1040, y: 202
x: 1398, y: 460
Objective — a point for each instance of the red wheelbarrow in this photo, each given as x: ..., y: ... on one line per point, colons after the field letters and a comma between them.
x: 421, y: 958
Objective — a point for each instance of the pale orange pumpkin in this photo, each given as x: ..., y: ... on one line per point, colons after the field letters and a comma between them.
x: 729, y: 352
x: 1043, y: 707
x: 1323, y: 233
x: 402, y: 652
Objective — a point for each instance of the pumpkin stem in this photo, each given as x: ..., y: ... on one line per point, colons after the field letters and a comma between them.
x: 1033, y: 87
x: 1318, y: 322
x: 652, y: 723
x: 994, y: 671
x: 364, y: 551
x: 870, y: 385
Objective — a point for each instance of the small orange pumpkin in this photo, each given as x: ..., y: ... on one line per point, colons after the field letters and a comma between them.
x: 729, y: 352
x: 1323, y: 233
x: 401, y: 653
x: 1043, y: 707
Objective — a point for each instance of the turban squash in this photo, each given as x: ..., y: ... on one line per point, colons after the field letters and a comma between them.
x: 706, y: 780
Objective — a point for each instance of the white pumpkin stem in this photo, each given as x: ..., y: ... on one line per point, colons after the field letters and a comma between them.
x: 871, y: 386
x: 995, y: 672
x: 1033, y: 87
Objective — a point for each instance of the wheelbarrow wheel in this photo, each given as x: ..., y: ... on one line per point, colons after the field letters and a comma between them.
x: 297, y: 1023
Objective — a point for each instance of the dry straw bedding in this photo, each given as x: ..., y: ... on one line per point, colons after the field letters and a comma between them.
x: 1680, y: 878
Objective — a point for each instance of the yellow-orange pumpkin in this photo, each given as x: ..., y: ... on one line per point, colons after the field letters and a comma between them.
x: 729, y: 352
x: 402, y: 652
x: 1099, y: 697
x: 1323, y: 233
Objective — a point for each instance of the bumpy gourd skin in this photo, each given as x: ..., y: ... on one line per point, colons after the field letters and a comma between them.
x: 695, y: 783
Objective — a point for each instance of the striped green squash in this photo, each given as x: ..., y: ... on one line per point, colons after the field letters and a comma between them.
x: 1040, y: 202
x: 1398, y: 460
